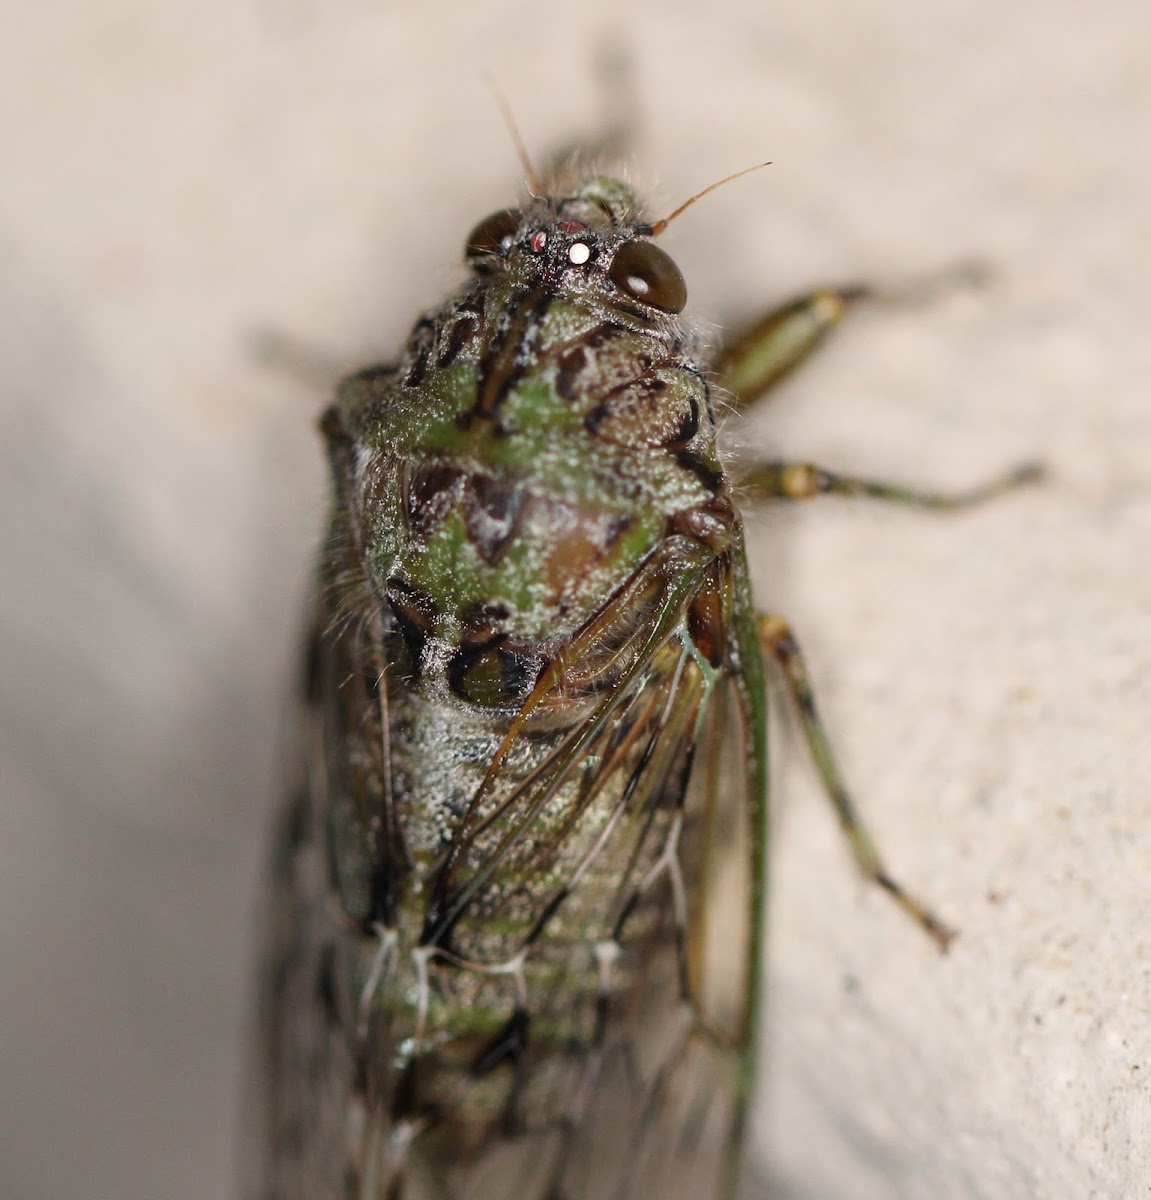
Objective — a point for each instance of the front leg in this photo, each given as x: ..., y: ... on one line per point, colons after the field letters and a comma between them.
x: 767, y: 350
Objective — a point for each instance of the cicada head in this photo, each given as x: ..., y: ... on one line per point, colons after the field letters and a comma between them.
x: 592, y: 243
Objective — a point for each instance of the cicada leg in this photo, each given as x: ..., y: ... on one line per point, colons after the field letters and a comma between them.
x: 756, y: 359
x: 778, y: 642
x: 803, y: 481
x: 778, y: 344
x: 764, y: 352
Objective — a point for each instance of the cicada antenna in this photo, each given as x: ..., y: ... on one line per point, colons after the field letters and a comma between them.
x: 660, y: 226
x: 535, y: 187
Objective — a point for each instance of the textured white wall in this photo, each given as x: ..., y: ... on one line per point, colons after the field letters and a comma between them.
x: 178, y: 175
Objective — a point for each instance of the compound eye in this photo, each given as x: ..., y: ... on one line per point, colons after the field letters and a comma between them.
x: 493, y: 234
x: 649, y: 275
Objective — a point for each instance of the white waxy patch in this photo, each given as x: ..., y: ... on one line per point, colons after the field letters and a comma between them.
x: 579, y: 253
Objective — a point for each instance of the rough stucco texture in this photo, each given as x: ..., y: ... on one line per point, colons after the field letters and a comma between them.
x: 178, y: 177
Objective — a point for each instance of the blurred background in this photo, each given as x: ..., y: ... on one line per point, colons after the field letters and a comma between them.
x: 178, y: 178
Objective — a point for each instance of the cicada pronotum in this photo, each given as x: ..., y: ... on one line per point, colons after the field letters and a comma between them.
x: 516, y: 947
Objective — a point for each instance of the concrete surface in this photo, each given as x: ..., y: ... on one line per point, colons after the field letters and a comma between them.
x: 178, y: 176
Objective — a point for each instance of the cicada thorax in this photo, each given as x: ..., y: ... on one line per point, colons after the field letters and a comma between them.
x: 530, y: 574
x: 543, y: 434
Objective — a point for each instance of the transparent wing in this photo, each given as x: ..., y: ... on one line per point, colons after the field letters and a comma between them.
x: 554, y: 1004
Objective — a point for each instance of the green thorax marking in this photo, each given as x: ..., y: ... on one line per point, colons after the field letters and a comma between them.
x: 541, y: 431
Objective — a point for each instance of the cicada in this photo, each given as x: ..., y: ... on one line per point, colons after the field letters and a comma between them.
x: 517, y: 945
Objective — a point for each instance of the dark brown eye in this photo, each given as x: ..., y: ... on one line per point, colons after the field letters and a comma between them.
x: 649, y: 275
x: 491, y: 234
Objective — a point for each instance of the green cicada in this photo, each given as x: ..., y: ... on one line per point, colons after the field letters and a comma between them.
x: 517, y: 927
